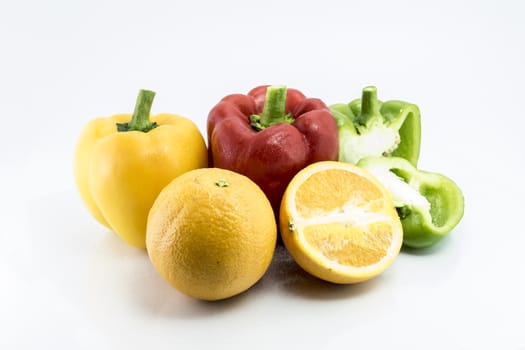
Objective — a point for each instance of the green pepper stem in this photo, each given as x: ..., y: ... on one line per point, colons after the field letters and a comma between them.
x: 274, y: 109
x: 369, y: 105
x: 140, y: 119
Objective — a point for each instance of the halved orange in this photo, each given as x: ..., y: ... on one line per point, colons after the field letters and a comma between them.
x: 339, y: 223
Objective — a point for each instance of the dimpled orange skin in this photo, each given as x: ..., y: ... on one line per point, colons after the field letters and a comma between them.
x: 211, y: 233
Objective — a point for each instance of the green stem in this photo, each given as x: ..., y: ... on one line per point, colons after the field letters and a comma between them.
x: 274, y: 110
x: 140, y: 119
x: 369, y: 105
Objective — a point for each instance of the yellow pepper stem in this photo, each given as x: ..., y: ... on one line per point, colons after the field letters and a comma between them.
x: 140, y: 119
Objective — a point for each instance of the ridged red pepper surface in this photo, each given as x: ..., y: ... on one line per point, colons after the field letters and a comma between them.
x: 269, y: 135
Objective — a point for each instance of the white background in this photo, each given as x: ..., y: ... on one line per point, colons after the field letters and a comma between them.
x: 68, y: 283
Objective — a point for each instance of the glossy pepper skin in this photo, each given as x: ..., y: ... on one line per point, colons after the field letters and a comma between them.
x: 269, y: 135
x: 429, y: 205
x: 121, y: 165
x: 369, y: 127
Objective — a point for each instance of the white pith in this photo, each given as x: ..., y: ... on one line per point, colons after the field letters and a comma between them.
x: 378, y: 141
x: 402, y: 193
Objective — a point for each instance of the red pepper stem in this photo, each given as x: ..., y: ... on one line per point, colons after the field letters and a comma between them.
x: 274, y: 109
x: 274, y: 105
x: 369, y: 105
x: 140, y: 119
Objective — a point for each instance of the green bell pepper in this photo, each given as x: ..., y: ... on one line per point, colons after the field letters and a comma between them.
x: 429, y: 205
x: 369, y: 127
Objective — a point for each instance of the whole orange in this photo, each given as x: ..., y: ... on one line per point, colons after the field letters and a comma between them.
x: 211, y: 233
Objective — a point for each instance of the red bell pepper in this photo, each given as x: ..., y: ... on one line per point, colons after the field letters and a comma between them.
x: 269, y: 135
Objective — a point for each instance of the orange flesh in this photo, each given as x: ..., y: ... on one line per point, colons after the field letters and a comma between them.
x: 311, y: 197
x: 351, y: 245
x: 356, y: 230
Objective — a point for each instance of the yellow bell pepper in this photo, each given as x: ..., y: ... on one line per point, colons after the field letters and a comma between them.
x: 122, y: 163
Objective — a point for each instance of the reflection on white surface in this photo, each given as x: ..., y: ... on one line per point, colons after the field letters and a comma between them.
x: 97, y: 289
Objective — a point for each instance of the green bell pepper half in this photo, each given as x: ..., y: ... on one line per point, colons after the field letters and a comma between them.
x: 368, y: 127
x: 429, y: 205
